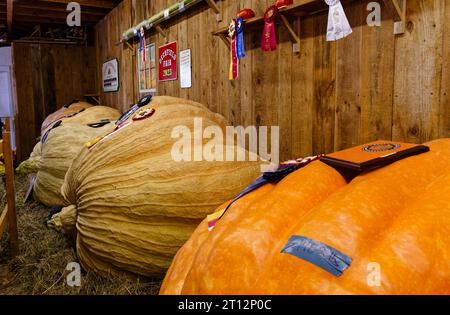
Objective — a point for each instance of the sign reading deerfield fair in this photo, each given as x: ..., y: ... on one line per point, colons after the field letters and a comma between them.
x: 110, y: 76
x: 168, y: 62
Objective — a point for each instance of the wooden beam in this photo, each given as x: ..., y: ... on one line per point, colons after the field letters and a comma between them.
x: 104, y: 4
x: 288, y: 27
x: 51, y: 7
x: 32, y: 19
x: 398, y: 11
x: 212, y: 4
x: 33, y: 14
x: 225, y: 39
x: 9, y: 14
x: 161, y: 31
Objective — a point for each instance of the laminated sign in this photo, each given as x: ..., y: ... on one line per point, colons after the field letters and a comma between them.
x: 168, y: 62
x: 110, y: 76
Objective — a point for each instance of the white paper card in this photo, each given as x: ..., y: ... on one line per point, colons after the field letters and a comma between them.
x: 185, y: 69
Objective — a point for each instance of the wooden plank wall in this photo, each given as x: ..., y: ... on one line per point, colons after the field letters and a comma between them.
x: 48, y: 76
x: 371, y: 85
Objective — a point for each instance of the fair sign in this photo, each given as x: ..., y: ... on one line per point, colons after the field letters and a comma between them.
x: 168, y: 62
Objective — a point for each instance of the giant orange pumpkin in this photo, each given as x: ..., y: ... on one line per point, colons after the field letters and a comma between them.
x: 393, y: 224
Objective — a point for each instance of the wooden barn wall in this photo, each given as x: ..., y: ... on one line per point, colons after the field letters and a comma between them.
x: 48, y: 76
x: 371, y: 85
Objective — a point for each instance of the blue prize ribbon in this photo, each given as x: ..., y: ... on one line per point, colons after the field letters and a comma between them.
x: 240, y: 50
x: 318, y: 253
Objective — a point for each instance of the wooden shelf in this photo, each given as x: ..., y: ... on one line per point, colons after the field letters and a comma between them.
x: 311, y: 7
x: 299, y: 9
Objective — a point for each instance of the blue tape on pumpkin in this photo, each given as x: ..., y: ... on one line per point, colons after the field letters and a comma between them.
x: 318, y: 253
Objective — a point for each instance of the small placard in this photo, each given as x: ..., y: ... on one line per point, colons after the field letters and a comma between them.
x: 110, y: 76
x: 185, y: 69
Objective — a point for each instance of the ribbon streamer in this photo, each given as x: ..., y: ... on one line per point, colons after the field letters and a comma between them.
x: 269, y: 37
x: 234, y: 60
x: 142, y: 45
x: 240, y: 38
x: 338, y: 26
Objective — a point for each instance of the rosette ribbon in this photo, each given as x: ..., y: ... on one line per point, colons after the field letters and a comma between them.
x: 269, y: 37
x: 240, y: 49
x: 234, y: 60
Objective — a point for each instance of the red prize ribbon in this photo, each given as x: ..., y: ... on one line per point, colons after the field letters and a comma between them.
x: 269, y: 37
x: 234, y: 64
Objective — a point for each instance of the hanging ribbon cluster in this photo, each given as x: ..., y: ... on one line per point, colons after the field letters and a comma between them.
x: 338, y: 26
x: 236, y: 34
x: 142, y: 45
x: 269, y: 37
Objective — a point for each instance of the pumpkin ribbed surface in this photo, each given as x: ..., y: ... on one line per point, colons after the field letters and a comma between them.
x: 64, y: 112
x: 61, y: 147
x: 395, y: 217
x: 135, y: 205
x: 90, y: 114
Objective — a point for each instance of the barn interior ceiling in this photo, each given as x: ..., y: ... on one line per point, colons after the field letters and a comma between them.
x: 27, y: 14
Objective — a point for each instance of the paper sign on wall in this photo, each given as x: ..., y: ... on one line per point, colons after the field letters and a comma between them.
x: 110, y: 76
x: 185, y: 69
x: 168, y: 61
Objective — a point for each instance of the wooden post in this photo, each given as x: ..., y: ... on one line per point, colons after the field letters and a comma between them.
x: 10, y: 192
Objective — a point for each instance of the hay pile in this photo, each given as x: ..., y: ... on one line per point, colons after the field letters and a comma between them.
x: 44, y: 255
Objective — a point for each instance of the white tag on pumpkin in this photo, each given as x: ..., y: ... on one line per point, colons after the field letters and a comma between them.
x: 338, y: 26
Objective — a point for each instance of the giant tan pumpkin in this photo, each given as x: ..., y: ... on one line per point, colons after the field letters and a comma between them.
x: 60, y: 148
x: 64, y: 112
x: 392, y: 224
x: 81, y: 113
x: 135, y: 206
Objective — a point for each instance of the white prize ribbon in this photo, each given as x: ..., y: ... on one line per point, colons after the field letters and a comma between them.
x: 338, y: 26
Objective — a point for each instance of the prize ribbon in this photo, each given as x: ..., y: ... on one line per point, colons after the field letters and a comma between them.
x: 240, y: 38
x: 142, y: 45
x: 234, y: 63
x: 269, y: 37
x: 338, y: 26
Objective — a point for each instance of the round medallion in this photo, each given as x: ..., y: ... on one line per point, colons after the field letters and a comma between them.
x: 381, y: 147
x: 144, y: 113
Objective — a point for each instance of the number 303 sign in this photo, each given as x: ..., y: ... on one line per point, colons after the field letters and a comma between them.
x: 168, y: 62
